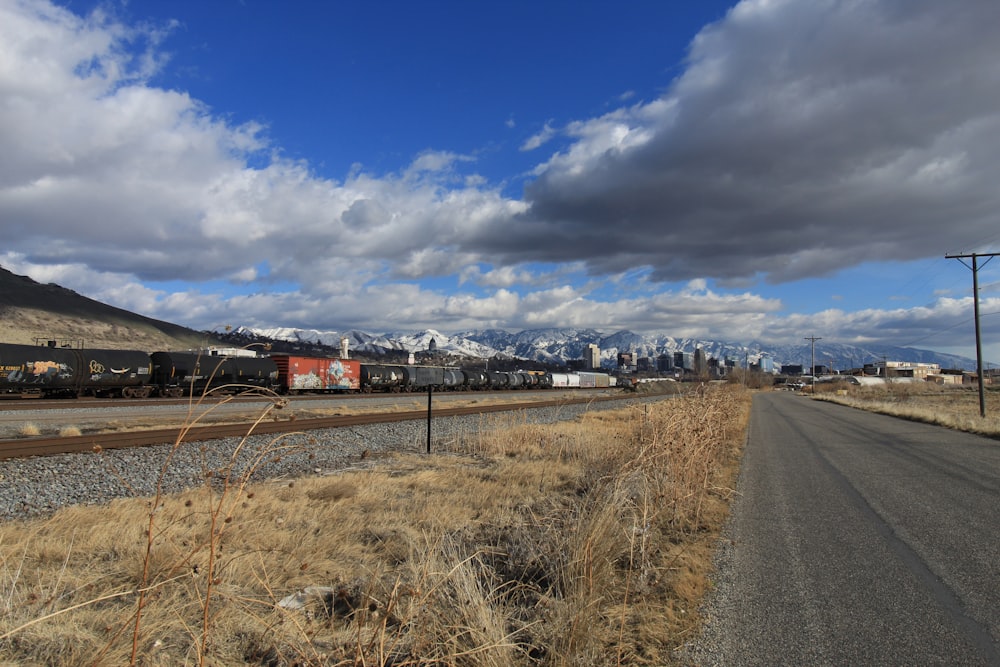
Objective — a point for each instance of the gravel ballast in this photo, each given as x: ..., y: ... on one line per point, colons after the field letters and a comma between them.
x: 40, y: 485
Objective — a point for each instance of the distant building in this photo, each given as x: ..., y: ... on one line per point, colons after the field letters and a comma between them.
x: 624, y: 360
x: 902, y: 369
x: 229, y: 352
x: 912, y: 369
x: 946, y: 378
x: 700, y: 363
x: 791, y: 369
x: 664, y: 363
x: 592, y: 357
x: 683, y: 361
x: 645, y: 365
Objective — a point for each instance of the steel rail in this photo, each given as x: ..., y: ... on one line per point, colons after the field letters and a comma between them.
x: 47, y: 446
x: 15, y: 403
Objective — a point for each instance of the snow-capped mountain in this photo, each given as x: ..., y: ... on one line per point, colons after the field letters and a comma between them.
x: 561, y: 345
x: 378, y: 344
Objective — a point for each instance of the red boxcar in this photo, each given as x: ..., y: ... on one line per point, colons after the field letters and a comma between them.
x: 302, y: 374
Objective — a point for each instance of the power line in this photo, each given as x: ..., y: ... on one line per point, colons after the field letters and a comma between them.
x: 922, y: 277
x: 946, y: 329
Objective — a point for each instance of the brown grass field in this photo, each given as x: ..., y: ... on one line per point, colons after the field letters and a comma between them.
x: 951, y: 407
x: 575, y: 544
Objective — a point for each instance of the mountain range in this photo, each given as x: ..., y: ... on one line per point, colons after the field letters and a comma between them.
x: 31, y: 312
x: 558, y: 346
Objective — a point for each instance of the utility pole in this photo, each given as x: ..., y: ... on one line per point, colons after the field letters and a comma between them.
x: 812, y: 364
x: 975, y: 302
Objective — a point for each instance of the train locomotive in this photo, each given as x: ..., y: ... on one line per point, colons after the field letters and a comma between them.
x: 70, y: 372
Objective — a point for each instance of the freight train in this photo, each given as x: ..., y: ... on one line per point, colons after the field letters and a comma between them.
x: 64, y: 372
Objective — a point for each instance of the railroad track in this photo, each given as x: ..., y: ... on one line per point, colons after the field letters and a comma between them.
x: 15, y: 403
x: 34, y: 403
x: 25, y: 447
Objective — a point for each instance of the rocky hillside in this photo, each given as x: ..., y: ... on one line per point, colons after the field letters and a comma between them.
x: 30, y: 312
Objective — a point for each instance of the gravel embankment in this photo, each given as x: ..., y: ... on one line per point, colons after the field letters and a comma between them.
x: 37, y: 486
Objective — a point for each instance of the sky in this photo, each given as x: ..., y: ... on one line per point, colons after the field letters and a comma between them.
x: 764, y: 170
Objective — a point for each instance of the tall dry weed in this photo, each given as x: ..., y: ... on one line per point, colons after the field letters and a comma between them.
x: 579, y: 543
x: 183, y: 547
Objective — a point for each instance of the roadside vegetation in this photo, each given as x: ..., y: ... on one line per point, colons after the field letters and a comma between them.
x: 952, y: 407
x: 575, y: 544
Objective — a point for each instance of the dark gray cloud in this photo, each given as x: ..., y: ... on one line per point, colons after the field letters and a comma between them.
x: 804, y: 137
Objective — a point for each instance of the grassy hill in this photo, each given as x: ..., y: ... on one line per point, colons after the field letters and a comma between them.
x: 31, y: 312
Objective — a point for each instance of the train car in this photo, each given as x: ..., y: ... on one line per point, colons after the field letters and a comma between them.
x: 544, y: 380
x: 71, y: 372
x: 178, y: 373
x: 114, y: 373
x: 454, y: 379
x: 375, y: 377
x: 259, y: 372
x: 52, y: 371
x: 498, y: 380
x: 559, y: 380
x: 594, y: 380
x: 475, y: 379
x: 33, y: 369
x: 419, y: 378
x: 297, y: 374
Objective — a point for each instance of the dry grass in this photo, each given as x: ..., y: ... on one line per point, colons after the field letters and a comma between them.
x: 581, y: 543
x: 30, y: 430
x: 66, y: 320
x: 952, y: 407
x: 419, y: 404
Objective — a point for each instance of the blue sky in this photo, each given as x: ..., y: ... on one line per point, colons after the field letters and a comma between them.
x: 763, y: 170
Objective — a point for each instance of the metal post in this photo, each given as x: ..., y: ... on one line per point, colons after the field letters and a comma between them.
x: 430, y: 390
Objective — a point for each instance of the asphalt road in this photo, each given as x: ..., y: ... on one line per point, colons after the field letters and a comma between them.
x: 857, y: 539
